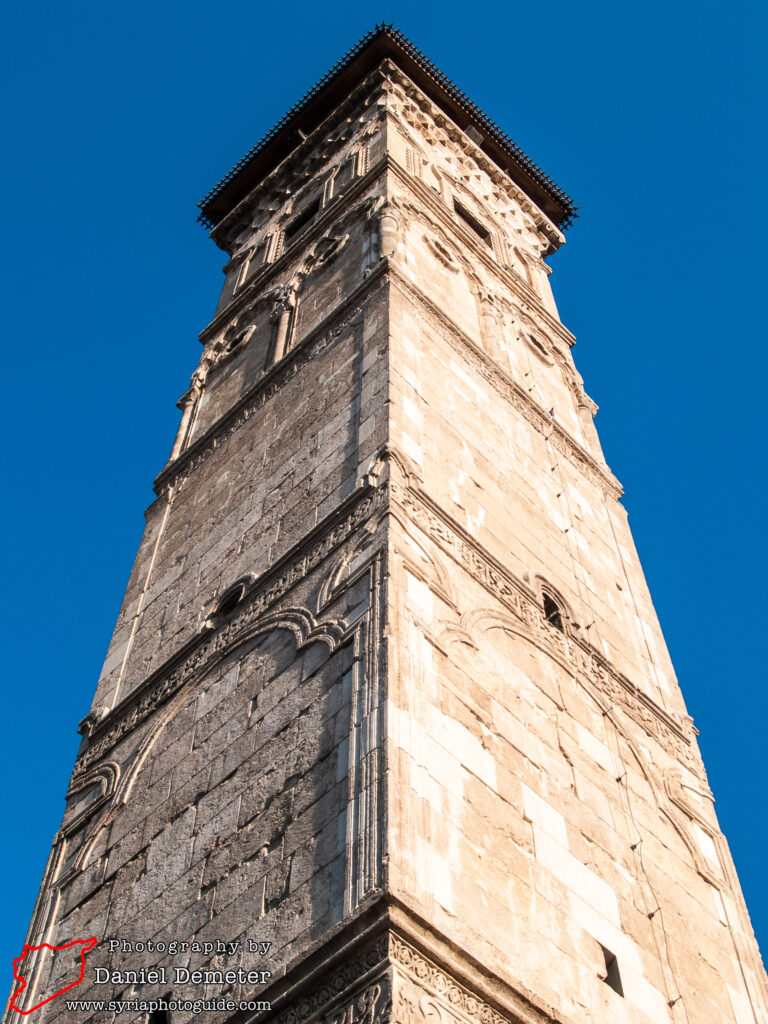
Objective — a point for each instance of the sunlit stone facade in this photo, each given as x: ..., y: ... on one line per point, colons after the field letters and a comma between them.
x: 387, y: 712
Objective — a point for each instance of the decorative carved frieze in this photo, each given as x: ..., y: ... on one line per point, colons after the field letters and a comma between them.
x: 423, y: 992
x: 394, y: 982
x: 576, y: 654
x: 357, y: 119
x: 348, y: 995
x: 272, y: 586
x: 371, y: 1006
x: 317, y: 342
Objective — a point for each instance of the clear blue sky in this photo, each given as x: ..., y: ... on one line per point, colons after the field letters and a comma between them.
x: 119, y: 117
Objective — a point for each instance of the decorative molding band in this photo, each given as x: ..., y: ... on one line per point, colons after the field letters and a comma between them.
x: 357, y: 993
x: 264, y: 276
x: 318, y: 341
x: 393, y: 982
x: 452, y: 133
x: 304, y: 557
x: 105, y: 778
x: 315, y: 153
x: 560, y: 439
x: 577, y: 655
x: 422, y: 991
x: 520, y: 288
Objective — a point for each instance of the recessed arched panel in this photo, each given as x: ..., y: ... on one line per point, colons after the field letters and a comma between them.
x: 237, y: 774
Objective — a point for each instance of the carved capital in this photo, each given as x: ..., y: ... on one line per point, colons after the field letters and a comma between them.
x: 283, y: 299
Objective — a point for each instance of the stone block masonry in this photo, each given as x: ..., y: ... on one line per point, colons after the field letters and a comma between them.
x: 387, y: 730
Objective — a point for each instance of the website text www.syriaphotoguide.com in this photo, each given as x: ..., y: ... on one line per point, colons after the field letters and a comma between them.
x: 154, y: 1005
x: 55, y: 966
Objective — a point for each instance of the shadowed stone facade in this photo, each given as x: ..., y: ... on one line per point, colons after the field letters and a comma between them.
x: 387, y: 690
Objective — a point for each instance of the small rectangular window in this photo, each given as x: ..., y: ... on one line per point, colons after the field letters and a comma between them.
x: 251, y: 263
x: 612, y: 977
x: 301, y: 220
x: 344, y: 176
x: 473, y: 223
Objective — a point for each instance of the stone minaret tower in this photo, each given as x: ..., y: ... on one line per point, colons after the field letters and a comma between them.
x: 387, y: 690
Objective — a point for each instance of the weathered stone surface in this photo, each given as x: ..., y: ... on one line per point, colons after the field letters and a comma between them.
x: 387, y: 691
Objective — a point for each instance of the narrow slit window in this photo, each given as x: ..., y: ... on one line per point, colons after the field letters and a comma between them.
x: 473, y: 223
x: 301, y: 220
x: 159, y: 1017
x: 552, y: 613
x: 612, y: 978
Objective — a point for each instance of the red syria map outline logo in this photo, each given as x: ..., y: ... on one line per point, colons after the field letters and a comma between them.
x: 87, y: 945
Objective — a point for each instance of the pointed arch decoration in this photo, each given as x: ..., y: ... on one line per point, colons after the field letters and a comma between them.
x: 81, y: 843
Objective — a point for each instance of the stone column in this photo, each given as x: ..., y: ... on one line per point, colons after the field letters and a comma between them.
x: 282, y: 314
x: 388, y: 233
x: 489, y: 321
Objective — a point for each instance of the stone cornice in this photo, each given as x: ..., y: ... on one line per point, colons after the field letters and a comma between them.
x: 304, y: 153
x: 553, y: 235
x: 561, y: 440
x: 385, y: 43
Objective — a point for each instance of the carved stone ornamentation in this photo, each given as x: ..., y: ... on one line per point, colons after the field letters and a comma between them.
x: 168, y: 679
x: 575, y: 654
x: 371, y: 1007
x: 343, y: 997
x: 387, y: 715
x: 442, y: 252
x: 328, y: 248
x: 425, y: 992
x: 262, y: 391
